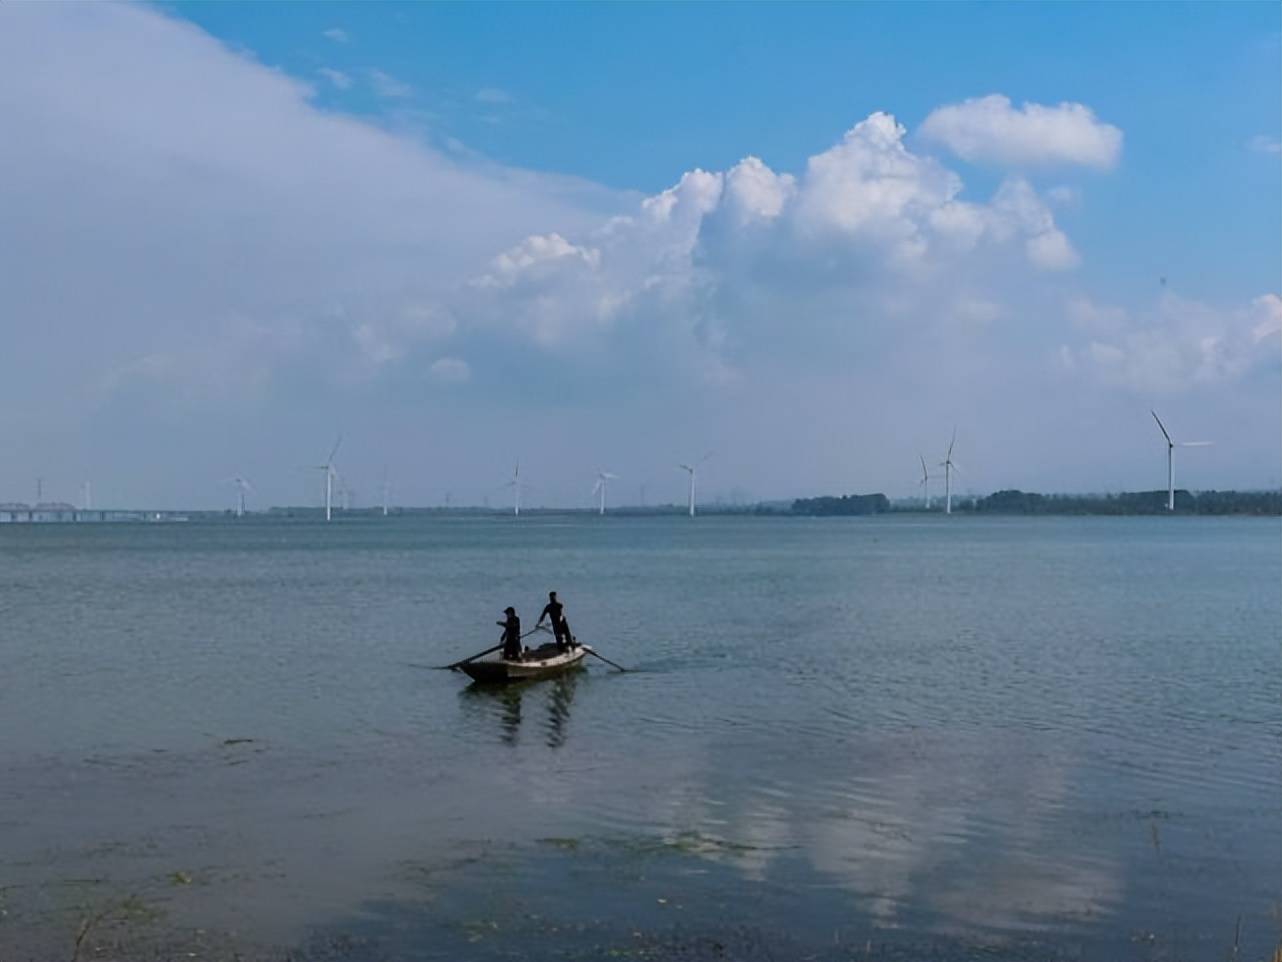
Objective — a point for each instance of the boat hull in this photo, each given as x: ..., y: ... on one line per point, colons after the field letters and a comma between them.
x: 545, y: 662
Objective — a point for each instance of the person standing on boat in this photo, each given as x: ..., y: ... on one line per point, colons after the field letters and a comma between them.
x: 560, y: 627
x: 511, y: 634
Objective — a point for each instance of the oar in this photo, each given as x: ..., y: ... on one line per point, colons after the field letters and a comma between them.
x: 592, y: 651
x: 479, y: 654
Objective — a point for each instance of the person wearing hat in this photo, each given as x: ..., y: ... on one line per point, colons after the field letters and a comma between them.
x: 511, y: 634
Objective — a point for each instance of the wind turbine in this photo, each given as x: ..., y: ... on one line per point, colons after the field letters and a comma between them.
x: 387, y: 489
x: 691, y: 470
x: 330, y: 476
x: 1170, y: 458
x: 515, y: 484
x: 242, y: 486
x: 925, y: 480
x: 603, y: 480
x: 947, y: 465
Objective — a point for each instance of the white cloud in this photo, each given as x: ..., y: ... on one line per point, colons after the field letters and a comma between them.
x: 1265, y: 145
x: 388, y: 87
x: 869, y: 226
x: 532, y: 253
x: 337, y: 34
x: 215, y: 240
x: 753, y: 191
x: 991, y: 130
x: 1052, y: 251
x: 336, y: 77
x: 1181, y: 344
x: 190, y: 239
x: 1018, y: 209
x: 493, y: 95
x: 450, y: 370
x: 870, y: 186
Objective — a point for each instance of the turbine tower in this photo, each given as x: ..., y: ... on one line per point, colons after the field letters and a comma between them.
x: 515, y: 484
x: 691, y: 469
x: 948, y: 465
x: 387, y: 489
x: 242, y: 486
x: 603, y: 480
x: 1170, y: 458
x: 330, y: 476
x: 925, y: 480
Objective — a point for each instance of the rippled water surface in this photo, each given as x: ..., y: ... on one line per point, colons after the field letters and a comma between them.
x: 854, y: 738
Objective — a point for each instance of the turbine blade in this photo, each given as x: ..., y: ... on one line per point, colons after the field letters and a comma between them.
x: 951, y: 443
x: 1195, y: 444
x: 337, y: 444
x: 1161, y: 425
x: 685, y: 467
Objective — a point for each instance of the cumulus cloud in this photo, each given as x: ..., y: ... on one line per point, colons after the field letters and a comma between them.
x: 992, y: 130
x: 190, y: 241
x: 337, y: 34
x: 868, y: 223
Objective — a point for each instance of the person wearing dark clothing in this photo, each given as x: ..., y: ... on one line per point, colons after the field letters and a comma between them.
x: 560, y: 627
x: 511, y: 634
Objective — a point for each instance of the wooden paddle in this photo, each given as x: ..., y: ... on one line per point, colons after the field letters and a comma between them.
x: 479, y: 654
x: 591, y: 651
x: 457, y: 664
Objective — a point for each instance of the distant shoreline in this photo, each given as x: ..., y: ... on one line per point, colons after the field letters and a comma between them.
x: 1015, y: 502
x: 1001, y: 503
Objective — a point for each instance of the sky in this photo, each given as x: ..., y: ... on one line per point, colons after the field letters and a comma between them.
x: 810, y: 241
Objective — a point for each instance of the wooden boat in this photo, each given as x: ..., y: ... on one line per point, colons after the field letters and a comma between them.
x: 545, y: 661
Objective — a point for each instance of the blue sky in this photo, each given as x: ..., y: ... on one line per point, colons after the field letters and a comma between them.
x: 617, y: 235
x: 633, y: 95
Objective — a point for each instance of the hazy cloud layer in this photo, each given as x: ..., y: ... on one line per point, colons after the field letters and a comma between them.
x: 1178, y: 345
x: 208, y: 275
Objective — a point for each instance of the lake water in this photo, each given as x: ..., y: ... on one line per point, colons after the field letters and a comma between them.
x: 891, y: 738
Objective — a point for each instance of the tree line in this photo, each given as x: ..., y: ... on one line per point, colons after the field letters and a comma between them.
x: 1030, y: 502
